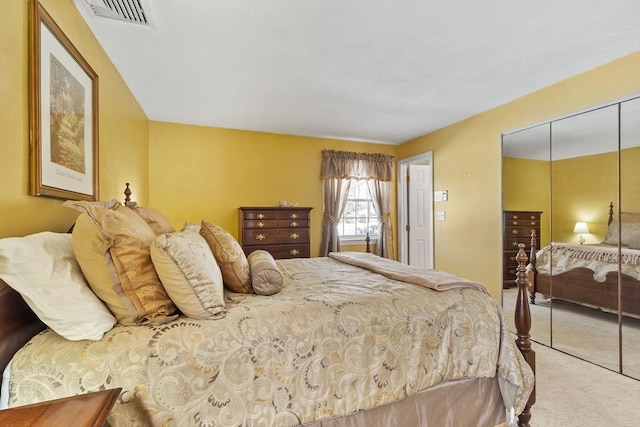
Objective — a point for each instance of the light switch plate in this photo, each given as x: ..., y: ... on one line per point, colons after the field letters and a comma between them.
x: 441, y: 216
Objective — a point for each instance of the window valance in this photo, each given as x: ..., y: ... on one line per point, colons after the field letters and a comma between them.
x: 351, y: 165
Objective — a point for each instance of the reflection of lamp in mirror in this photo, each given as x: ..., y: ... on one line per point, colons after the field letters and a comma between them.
x: 581, y: 228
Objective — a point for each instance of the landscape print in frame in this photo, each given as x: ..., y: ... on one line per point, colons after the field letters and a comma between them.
x: 63, y: 118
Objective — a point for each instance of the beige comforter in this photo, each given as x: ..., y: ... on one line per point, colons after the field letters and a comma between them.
x: 337, y: 339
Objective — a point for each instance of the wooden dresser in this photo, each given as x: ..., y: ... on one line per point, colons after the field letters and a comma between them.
x: 517, y: 226
x: 284, y: 232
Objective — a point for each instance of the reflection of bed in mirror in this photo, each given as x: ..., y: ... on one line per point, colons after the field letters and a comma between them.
x: 588, y: 274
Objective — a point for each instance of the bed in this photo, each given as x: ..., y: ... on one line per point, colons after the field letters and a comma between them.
x: 588, y: 274
x: 346, y: 340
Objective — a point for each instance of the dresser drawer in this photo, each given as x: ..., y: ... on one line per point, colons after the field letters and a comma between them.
x: 521, y: 216
x: 261, y: 223
x: 260, y: 214
x: 520, y: 231
x: 292, y: 214
x: 509, y: 259
x: 275, y: 236
x: 511, y: 243
x: 293, y: 223
x: 282, y: 251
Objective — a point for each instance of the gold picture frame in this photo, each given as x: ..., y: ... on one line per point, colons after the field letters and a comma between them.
x: 63, y: 119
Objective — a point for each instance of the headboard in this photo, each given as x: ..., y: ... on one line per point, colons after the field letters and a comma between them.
x: 18, y: 324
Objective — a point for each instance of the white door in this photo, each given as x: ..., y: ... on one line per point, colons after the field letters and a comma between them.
x: 419, y: 204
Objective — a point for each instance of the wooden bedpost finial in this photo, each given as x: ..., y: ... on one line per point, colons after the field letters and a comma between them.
x: 127, y: 193
x: 610, y: 214
x: 523, y: 326
x: 531, y: 274
x: 367, y: 241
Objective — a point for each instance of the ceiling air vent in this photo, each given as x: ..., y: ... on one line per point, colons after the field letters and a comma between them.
x: 121, y: 10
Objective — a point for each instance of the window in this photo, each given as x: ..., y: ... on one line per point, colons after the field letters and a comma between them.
x: 359, y: 216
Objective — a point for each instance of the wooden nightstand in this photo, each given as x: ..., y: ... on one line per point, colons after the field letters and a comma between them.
x: 83, y: 410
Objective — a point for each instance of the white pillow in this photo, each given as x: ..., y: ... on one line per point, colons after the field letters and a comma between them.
x: 189, y: 273
x: 42, y: 267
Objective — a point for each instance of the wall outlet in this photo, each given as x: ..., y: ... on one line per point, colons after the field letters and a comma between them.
x: 441, y: 216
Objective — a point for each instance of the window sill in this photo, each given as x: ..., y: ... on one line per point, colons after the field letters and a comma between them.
x: 359, y: 240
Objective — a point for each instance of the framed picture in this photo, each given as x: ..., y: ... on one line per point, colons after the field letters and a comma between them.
x: 63, y: 117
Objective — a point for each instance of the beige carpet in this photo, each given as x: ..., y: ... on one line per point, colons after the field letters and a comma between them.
x: 586, y: 333
x: 572, y: 392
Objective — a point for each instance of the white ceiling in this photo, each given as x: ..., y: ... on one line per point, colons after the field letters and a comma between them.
x: 381, y: 71
x: 600, y: 130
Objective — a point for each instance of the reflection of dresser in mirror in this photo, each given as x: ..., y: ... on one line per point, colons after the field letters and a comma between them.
x: 517, y: 227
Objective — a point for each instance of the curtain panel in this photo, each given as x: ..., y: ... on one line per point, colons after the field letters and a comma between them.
x: 337, y: 170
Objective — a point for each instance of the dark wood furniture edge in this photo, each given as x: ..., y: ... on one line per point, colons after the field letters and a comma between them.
x: 18, y: 324
x: 523, y: 327
x: 95, y: 408
x: 577, y: 286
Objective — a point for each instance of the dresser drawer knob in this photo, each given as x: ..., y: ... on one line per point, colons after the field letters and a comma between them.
x: 533, y: 223
x: 293, y: 216
x: 514, y: 232
x: 515, y: 217
x: 260, y: 216
x: 260, y: 224
x: 260, y: 237
x: 514, y: 223
x: 294, y: 236
x: 294, y: 252
x: 514, y: 244
x: 294, y: 224
x: 533, y: 217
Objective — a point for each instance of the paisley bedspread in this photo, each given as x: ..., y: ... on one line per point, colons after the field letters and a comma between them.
x: 337, y: 339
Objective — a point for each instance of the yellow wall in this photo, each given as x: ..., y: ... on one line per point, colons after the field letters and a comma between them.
x: 207, y: 173
x: 536, y: 198
x: 123, y: 125
x: 467, y: 163
x: 630, y: 179
x: 572, y: 179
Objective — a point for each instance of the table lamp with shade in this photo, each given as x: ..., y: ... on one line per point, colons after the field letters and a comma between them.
x: 581, y: 228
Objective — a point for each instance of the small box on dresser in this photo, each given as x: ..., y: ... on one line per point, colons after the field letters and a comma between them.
x: 517, y: 226
x: 282, y: 231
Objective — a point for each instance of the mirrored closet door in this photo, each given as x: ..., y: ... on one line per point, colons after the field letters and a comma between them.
x: 583, y: 174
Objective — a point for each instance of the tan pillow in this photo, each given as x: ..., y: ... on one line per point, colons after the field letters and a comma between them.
x: 158, y: 222
x: 628, y: 231
x: 630, y: 216
x: 230, y: 257
x: 266, y: 278
x: 190, y: 274
x: 112, y: 248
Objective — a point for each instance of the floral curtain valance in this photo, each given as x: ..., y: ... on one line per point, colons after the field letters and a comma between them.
x: 351, y: 165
